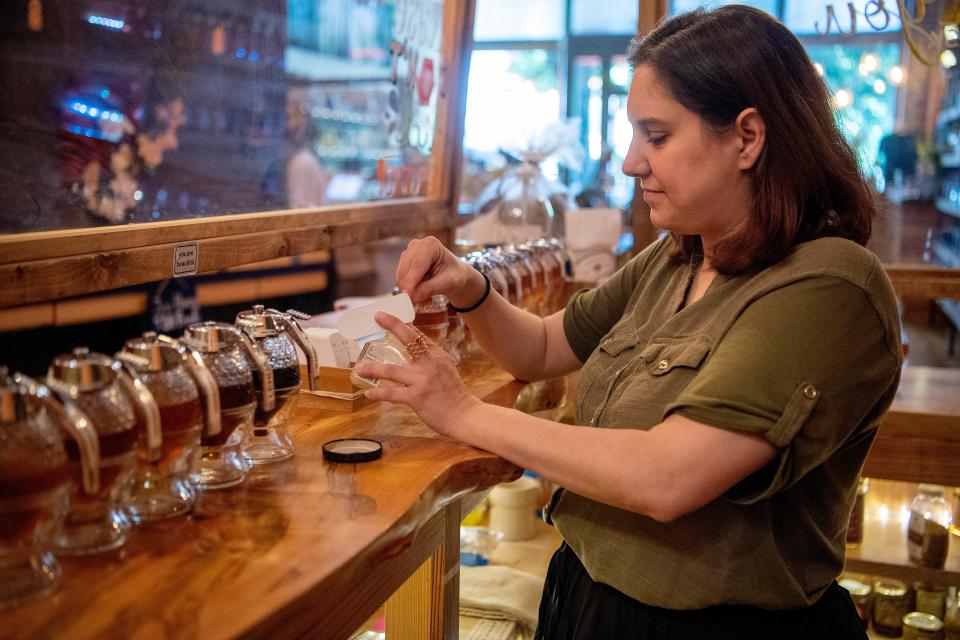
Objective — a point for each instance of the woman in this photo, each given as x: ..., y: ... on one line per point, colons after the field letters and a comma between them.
x: 737, y: 369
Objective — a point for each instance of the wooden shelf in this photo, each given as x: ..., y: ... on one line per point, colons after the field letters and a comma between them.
x: 884, y: 548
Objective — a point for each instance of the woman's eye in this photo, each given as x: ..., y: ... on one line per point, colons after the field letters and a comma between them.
x: 656, y: 140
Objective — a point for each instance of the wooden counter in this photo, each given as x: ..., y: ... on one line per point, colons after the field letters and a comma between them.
x: 304, y: 548
x: 919, y: 439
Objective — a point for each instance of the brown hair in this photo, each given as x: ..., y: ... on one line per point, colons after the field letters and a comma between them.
x: 806, y: 181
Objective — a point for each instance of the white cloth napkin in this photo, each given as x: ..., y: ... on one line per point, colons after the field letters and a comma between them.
x: 501, y: 593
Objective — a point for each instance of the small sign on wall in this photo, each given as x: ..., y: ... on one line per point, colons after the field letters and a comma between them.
x: 185, y: 259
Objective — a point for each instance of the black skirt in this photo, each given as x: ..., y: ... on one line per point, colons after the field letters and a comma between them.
x: 574, y: 607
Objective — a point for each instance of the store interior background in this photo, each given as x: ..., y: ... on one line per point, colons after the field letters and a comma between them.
x: 309, y: 79
x: 278, y: 83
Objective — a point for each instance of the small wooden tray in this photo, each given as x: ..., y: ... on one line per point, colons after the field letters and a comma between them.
x: 335, y: 380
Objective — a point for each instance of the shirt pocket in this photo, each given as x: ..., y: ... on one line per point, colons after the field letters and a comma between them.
x: 618, y: 341
x: 653, y: 379
x: 666, y: 355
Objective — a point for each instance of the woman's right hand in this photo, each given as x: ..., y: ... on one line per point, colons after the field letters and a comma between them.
x: 427, y: 268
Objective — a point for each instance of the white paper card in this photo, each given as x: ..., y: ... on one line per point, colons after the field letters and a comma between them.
x: 332, y: 349
x: 357, y: 323
x: 592, y: 228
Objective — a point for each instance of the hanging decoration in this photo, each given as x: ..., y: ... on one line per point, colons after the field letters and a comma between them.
x: 927, y: 45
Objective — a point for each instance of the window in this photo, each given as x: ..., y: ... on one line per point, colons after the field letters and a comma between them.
x: 511, y: 94
x: 617, y: 16
x: 680, y: 6
x: 811, y: 17
x: 523, y: 20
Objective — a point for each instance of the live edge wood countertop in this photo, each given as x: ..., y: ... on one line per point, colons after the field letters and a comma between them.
x: 304, y: 548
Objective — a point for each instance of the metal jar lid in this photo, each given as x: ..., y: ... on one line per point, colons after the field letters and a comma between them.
x: 260, y: 322
x: 857, y: 588
x: 890, y: 588
x: 82, y: 370
x: 922, y: 622
x: 211, y: 337
x: 151, y: 353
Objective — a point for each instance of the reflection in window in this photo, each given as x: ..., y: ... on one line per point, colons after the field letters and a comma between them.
x: 811, y: 17
x: 132, y: 111
x: 617, y: 17
x: 519, y: 20
x: 510, y: 96
x: 680, y: 6
x: 863, y: 80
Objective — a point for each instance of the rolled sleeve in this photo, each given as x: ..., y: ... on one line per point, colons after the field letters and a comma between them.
x: 804, y: 366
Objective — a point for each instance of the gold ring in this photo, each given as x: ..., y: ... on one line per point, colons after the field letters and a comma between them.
x: 416, y: 347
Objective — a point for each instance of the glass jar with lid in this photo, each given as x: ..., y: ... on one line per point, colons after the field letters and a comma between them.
x: 860, y: 592
x: 855, y: 527
x: 233, y: 359
x: 951, y: 615
x: 890, y: 604
x: 922, y: 626
x: 928, y: 532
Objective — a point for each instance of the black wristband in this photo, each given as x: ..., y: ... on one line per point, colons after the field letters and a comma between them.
x: 483, y: 298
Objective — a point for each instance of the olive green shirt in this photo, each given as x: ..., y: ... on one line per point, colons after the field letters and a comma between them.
x: 805, y: 352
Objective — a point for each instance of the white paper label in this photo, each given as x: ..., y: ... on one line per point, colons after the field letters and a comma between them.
x: 185, y: 259
x: 358, y: 323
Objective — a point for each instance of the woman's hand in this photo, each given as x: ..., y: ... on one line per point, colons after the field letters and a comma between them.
x: 427, y: 268
x: 430, y: 385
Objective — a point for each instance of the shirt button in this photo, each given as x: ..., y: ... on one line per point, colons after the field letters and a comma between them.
x: 663, y: 364
x: 810, y: 392
x: 607, y: 340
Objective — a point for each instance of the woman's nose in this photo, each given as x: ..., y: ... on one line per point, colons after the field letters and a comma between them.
x: 635, y: 163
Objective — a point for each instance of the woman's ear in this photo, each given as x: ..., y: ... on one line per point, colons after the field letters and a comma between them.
x: 751, y: 132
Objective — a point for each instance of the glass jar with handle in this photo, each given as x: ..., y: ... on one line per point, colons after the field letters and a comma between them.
x: 35, y: 482
x: 188, y: 400
x: 111, y: 399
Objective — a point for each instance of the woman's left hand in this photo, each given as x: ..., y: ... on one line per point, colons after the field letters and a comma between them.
x: 430, y: 385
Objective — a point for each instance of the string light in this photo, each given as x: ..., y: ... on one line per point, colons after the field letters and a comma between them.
x: 843, y: 98
x: 948, y: 58
x: 896, y: 75
x: 869, y: 63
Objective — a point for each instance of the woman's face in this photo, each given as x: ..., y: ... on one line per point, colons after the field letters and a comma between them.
x: 689, y: 173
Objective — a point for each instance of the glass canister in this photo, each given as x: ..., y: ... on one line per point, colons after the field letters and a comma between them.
x: 931, y: 598
x: 534, y: 285
x: 431, y: 318
x: 186, y: 394
x: 890, y: 604
x: 860, y: 592
x: 951, y: 615
x: 456, y: 335
x: 35, y: 482
x: 232, y: 359
x: 928, y: 531
x: 922, y: 626
x: 111, y: 399
x: 385, y: 350
x: 278, y: 335
x: 515, y: 274
x: 553, y: 268
x: 855, y: 528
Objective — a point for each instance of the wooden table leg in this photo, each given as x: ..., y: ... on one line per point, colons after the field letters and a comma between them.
x: 427, y: 604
